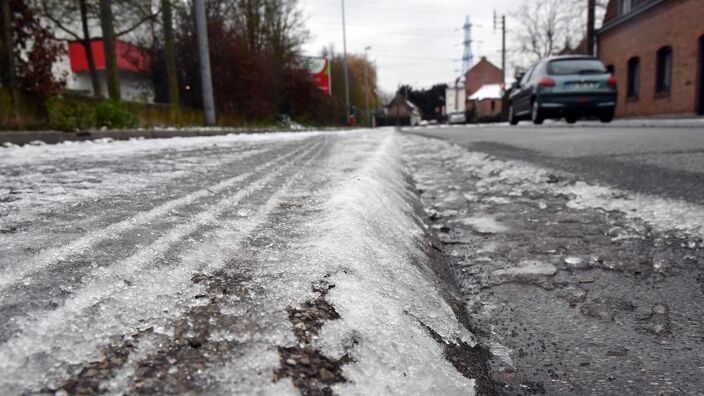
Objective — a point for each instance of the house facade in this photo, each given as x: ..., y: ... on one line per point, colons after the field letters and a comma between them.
x: 402, y: 112
x: 656, y: 51
x: 486, y: 102
x: 483, y: 73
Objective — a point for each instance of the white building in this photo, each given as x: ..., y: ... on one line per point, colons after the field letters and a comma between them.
x: 133, y: 65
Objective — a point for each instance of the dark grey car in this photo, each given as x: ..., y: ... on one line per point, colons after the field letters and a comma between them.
x: 570, y: 87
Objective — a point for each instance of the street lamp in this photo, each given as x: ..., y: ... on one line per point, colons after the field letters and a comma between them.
x: 204, y: 58
x: 344, y: 63
x: 366, y: 86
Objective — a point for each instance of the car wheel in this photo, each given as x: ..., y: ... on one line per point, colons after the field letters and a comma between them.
x: 571, y: 120
x: 607, y: 118
x: 512, y: 119
x: 535, y: 114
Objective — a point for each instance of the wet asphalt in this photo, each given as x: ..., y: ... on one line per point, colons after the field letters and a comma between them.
x: 617, y: 307
x: 665, y: 160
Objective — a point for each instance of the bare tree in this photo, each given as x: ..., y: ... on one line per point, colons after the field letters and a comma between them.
x: 170, y: 53
x: 6, y: 45
x: 107, y: 22
x: 130, y: 15
x: 546, y: 27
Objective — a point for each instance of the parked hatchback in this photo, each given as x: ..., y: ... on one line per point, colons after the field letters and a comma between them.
x: 570, y: 87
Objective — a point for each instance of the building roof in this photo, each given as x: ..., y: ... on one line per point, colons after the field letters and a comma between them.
x: 400, y: 100
x: 482, y: 60
x: 488, y: 91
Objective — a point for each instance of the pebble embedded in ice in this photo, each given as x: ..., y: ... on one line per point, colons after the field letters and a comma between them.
x: 573, y: 261
x: 484, y: 224
x: 528, y: 268
x: 470, y: 197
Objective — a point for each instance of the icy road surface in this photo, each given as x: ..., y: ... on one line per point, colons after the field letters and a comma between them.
x: 261, y: 264
x: 577, y: 288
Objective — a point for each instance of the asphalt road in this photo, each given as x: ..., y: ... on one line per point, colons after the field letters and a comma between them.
x: 579, y: 270
x: 665, y: 159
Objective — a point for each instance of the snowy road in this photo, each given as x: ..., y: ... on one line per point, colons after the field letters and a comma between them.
x: 359, y: 262
x: 272, y: 264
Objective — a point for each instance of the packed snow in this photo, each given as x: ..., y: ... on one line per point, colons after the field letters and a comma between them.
x: 282, y: 212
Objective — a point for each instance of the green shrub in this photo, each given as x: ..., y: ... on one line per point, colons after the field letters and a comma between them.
x: 69, y: 115
x: 114, y: 115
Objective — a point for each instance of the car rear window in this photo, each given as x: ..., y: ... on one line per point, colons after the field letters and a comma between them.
x: 576, y: 66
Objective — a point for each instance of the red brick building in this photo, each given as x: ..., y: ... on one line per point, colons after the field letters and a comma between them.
x: 656, y: 49
x: 483, y: 73
x: 486, y: 102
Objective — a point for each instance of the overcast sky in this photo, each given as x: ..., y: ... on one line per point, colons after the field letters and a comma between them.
x: 417, y: 42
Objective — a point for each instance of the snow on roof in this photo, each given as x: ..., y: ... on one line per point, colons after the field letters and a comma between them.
x: 488, y: 91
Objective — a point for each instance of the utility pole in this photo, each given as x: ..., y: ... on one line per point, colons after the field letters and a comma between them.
x: 366, y: 86
x: 206, y: 80
x: 502, y: 21
x: 468, y: 55
x: 591, y: 18
x: 107, y: 24
x: 344, y: 64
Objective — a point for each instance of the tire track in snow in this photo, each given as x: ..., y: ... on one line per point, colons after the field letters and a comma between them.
x: 56, y: 206
x: 71, y: 334
x: 247, y: 229
x: 17, y: 271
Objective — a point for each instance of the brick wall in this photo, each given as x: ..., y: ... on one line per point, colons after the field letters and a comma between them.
x: 677, y: 23
x: 484, y: 107
x: 484, y: 72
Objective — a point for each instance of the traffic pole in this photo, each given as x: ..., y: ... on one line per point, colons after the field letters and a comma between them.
x: 344, y: 64
x: 366, y: 86
x: 204, y: 57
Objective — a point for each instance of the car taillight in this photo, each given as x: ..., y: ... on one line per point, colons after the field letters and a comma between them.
x: 547, y: 82
x: 612, y: 81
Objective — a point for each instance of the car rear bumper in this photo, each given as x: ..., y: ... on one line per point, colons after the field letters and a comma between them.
x: 577, y: 104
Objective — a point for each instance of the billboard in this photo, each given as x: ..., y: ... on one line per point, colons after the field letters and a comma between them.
x: 320, y: 70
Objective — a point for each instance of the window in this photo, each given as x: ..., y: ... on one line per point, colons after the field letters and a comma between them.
x: 633, y: 77
x: 663, y: 83
x: 624, y: 6
x: 576, y: 66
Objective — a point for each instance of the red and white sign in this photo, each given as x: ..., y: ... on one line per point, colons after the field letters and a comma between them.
x: 129, y: 57
x: 320, y: 70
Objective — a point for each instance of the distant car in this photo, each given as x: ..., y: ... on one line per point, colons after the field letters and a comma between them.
x: 570, y: 87
x: 457, y: 118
